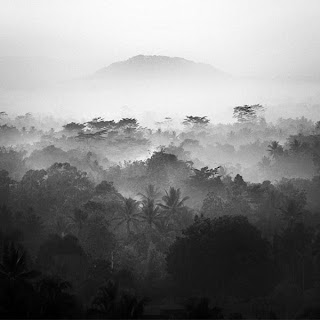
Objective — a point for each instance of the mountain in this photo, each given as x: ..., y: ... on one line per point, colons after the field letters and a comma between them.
x: 158, y: 66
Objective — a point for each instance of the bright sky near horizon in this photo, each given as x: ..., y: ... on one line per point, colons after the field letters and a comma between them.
x: 242, y: 37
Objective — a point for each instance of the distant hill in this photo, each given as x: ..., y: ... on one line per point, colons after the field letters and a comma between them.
x: 158, y: 66
x: 37, y: 72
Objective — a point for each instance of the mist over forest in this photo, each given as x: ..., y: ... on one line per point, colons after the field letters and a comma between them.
x: 137, y: 86
x: 159, y: 159
x: 107, y: 218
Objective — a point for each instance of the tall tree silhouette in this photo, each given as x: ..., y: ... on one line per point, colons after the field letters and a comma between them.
x: 172, y: 204
x: 16, y: 289
x: 150, y: 213
x: 128, y: 214
x: 150, y: 192
x: 275, y: 149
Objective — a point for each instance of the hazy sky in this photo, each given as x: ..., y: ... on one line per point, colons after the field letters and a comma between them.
x: 257, y: 37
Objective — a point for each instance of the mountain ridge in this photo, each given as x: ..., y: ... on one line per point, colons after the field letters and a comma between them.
x: 153, y: 64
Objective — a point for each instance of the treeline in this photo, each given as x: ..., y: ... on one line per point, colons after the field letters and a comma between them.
x: 160, y: 234
x: 251, y: 147
x: 89, y: 243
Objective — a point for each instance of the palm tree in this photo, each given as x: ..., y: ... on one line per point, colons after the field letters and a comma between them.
x: 295, y: 145
x: 275, y: 149
x: 151, y: 192
x: 150, y: 213
x: 131, y: 307
x: 13, y: 267
x: 173, y: 204
x: 129, y: 214
x: 114, y: 304
x: 264, y: 163
x: 57, y: 302
x: 16, y: 288
x: 107, y: 298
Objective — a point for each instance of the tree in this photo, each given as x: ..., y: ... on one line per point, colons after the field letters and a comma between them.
x: 16, y: 287
x: 128, y: 125
x: 292, y: 210
x: 239, y: 182
x: 106, y: 300
x: 205, y: 174
x: 214, y: 206
x: 3, y: 114
x: 317, y: 127
x: 14, y: 266
x: 205, y: 180
x: 56, y: 301
x: 296, y: 146
x: 150, y: 213
x: 89, y: 137
x: 150, y: 193
x: 63, y: 257
x: 164, y: 168
x: 128, y: 214
x: 294, y: 254
x: 292, y: 202
x: 173, y: 204
x: 9, y: 230
x: 9, y: 135
x: 13, y: 161
x: 113, y: 303
x: 275, y: 149
x: 234, y: 203
x: 67, y: 187
x: 54, y: 191
x: 105, y: 187
x: 5, y: 183
x: 265, y: 163
x: 198, y: 308
x: 247, y: 114
x: 42, y: 159
x: 225, y: 256
x: 99, y: 123
x: 74, y: 127
x: 160, y: 161
x: 31, y: 227
x: 196, y: 121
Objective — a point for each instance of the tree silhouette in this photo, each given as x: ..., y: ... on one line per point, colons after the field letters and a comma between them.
x: 275, y: 149
x: 296, y: 146
x: 172, y: 204
x: 196, y: 121
x: 247, y: 113
x: 73, y: 126
x: 13, y: 267
x: 150, y: 213
x: 106, y: 300
x: 225, y: 256
x: 127, y: 214
x: 16, y: 289
x: 110, y: 302
x: 55, y: 299
x: 5, y: 183
x: 150, y: 193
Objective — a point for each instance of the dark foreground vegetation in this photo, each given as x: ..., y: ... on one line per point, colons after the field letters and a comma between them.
x: 107, y: 219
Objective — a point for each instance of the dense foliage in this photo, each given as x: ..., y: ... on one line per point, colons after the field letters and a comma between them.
x: 107, y: 219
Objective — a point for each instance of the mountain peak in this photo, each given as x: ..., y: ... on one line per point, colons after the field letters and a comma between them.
x: 158, y: 65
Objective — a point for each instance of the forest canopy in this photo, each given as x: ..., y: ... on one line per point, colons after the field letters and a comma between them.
x: 109, y: 219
